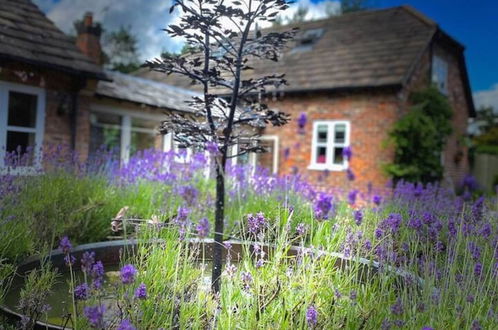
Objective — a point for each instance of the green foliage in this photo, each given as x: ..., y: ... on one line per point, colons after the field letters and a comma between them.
x: 121, y: 51
x: 33, y: 297
x: 487, y: 141
x: 350, y: 6
x: 6, y: 275
x: 59, y: 203
x: 419, y: 138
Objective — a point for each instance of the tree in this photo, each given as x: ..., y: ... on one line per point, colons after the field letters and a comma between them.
x: 349, y: 6
x: 121, y: 51
x: 486, y: 141
x: 419, y: 138
x: 218, y: 54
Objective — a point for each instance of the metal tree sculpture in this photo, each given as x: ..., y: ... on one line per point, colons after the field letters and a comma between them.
x: 221, y: 40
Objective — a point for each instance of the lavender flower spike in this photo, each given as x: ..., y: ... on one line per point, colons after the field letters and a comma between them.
x: 82, y: 292
x: 95, y: 316
x: 203, y: 228
x: 128, y: 273
x: 141, y: 292
x: 311, y: 316
x: 65, y: 245
x: 126, y: 325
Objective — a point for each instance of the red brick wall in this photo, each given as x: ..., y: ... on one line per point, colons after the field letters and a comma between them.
x: 370, y: 114
x: 455, y: 156
x: 59, y: 89
x: 456, y: 160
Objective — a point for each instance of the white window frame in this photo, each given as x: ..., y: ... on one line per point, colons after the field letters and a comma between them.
x: 330, y: 145
x: 38, y: 130
x: 440, y: 65
x: 276, y: 151
x: 125, y: 126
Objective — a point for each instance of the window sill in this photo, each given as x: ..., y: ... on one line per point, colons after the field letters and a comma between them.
x: 21, y: 170
x: 335, y: 168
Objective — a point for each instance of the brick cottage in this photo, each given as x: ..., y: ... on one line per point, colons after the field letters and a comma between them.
x: 54, y: 91
x: 350, y: 77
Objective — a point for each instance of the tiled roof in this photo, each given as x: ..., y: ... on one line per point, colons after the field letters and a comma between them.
x: 144, y: 91
x: 364, y: 49
x: 27, y: 35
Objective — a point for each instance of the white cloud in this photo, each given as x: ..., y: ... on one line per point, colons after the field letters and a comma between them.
x: 315, y: 10
x: 487, y: 98
x: 146, y: 18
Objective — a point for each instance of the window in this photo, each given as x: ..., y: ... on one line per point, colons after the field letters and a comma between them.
x: 306, y: 40
x: 122, y: 132
x: 182, y: 154
x: 440, y: 74
x: 22, y: 123
x: 329, y: 140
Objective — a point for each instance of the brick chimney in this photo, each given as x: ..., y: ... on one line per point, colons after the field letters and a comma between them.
x: 88, y: 39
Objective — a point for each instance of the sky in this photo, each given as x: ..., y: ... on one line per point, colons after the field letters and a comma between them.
x: 472, y: 23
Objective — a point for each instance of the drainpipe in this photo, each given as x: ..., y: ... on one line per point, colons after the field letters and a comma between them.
x: 74, y: 113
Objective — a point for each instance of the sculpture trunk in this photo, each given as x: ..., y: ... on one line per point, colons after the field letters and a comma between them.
x: 219, y: 223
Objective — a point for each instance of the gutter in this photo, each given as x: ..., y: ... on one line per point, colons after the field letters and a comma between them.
x: 99, y: 75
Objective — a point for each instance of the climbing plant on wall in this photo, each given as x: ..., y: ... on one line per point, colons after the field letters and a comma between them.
x: 419, y: 137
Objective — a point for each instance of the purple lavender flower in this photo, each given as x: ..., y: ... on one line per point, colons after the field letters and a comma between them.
x: 352, y: 196
x: 87, y: 261
x: 182, y: 214
x: 350, y: 175
x: 212, y: 147
x: 126, y: 325
x: 230, y: 270
x: 95, y: 316
x: 311, y: 316
x: 358, y: 217
x: 81, y: 292
x: 470, y: 182
x: 386, y: 324
x: 202, y: 228
x: 478, y: 269
x: 323, y: 206
x: 379, y: 233
x: 189, y: 193
x: 367, y: 245
x: 476, y: 325
x: 486, y: 230
x: 474, y: 250
x: 439, y: 246
x: 257, y: 223
x: 246, y: 279
x: 97, y: 274
x: 415, y: 223
x: 377, y: 200
x: 128, y: 273
x: 301, y: 122
x: 353, y: 295
x: 427, y: 328
x: 301, y: 229
x: 65, y: 245
x: 347, y: 153
x: 397, y: 308
x: 69, y: 260
x: 337, y: 293
x: 141, y: 292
